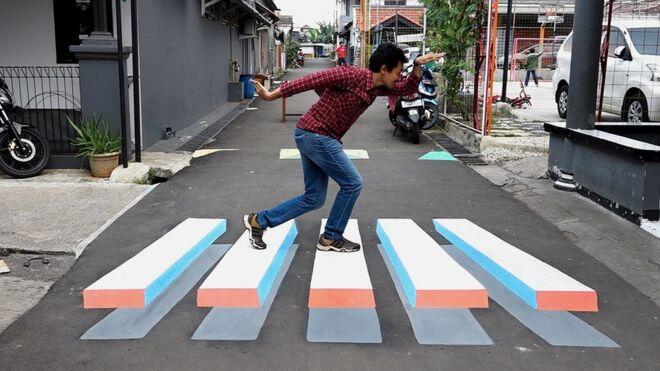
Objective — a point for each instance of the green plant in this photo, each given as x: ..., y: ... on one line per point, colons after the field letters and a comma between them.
x: 94, y: 136
x: 453, y: 28
x: 292, y: 49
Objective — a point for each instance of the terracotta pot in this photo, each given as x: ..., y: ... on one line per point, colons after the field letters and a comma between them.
x: 103, y: 164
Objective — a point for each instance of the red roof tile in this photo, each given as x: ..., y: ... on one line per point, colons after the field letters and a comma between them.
x: 412, y: 14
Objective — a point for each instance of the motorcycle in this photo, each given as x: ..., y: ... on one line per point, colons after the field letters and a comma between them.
x: 405, y: 113
x: 428, y: 89
x: 23, y: 151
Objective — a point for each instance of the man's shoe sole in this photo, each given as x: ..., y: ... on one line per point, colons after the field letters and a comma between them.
x: 248, y: 226
x: 334, y: 249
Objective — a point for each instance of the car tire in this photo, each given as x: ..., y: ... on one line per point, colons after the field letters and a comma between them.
x: 562, y: 101
x: 635, y: 109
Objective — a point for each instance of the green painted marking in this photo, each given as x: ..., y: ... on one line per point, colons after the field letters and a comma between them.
x: 438, y: 156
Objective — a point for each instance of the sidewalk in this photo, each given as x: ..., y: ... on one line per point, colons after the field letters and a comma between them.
x: 228, y: 184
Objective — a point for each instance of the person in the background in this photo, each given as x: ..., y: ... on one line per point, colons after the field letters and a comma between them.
x: 341, y: 54
x: 531, y: 65
x: 345, y: 93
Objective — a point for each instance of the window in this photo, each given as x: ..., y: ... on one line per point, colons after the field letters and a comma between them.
x: 646, y: 40
x: 394, y: 2
x: 616, y: 39
x: 72, y: 19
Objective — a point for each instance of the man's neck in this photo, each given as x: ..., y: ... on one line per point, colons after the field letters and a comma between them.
x: 377, y: 80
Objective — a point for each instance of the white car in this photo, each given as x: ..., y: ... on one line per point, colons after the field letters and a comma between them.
x: 632, y: 79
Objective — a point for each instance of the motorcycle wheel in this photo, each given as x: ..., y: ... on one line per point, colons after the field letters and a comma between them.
x: 415, y: 133
x: 23, y: 165
x: 433, y: 117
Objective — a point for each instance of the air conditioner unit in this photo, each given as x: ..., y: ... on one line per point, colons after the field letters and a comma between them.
x: 249, y: 27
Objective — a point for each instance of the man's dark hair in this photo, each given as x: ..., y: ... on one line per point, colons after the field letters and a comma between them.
x: 532, y: 50
x: 388, y: 55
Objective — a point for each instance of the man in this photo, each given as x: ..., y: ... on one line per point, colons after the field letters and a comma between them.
x: 341, y: 54
x: 531, y: 65
x: 346, y: 92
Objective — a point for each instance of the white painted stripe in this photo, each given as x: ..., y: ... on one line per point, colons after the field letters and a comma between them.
x: 427, y: 264
x: 341, y: 270
x: 353, y: 154
x: 534, y: 273
x: 149, y: 264
x: 243, y: 267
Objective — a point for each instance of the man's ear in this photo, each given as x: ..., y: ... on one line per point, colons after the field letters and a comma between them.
x: 384, y: 70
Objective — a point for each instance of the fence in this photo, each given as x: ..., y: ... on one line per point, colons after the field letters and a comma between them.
x: 45, y: 97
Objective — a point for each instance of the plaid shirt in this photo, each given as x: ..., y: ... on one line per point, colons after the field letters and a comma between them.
x: 346, y: 92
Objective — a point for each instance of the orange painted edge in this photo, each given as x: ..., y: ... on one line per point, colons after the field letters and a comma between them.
x: 240, y: 298
x: 341, y: 298
x: 451, y: 299
x: 103, y: 299
x: 578, y: 301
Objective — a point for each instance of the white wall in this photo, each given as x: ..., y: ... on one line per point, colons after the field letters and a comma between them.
x: 28, y: 33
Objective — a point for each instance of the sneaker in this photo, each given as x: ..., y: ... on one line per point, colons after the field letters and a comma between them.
x: 342, y: 245
x: 256, y: 231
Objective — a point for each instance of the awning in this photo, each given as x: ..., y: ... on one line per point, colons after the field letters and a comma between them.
x: 267, y: 12
x: 241, y: 6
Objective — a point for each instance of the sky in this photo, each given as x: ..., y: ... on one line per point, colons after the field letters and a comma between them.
x: 308, y: 11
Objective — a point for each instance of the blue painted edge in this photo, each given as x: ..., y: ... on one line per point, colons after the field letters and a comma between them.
x: 511, y: 282
x: 406, y: 282
x: 161, y: 283
x: 268, y: 279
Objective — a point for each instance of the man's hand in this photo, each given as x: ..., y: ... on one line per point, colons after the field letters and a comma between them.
x: 264, y: 93
x: 424, y: 59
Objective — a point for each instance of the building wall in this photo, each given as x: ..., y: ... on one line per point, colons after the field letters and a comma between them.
x: 185, y: 65
x: 28, y: 33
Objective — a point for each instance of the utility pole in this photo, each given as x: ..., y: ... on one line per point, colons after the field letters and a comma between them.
x: 507, y: 40
x: 396, y: 23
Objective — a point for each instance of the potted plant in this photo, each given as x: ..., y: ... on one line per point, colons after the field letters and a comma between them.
x: 96, y: 141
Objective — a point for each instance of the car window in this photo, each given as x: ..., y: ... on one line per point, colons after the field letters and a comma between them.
x: 646, y: 40
x: 616, y: 39
x: 568, y: 43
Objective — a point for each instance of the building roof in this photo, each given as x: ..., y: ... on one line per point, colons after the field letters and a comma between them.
x: 414, y: 14
x: 285, y: 20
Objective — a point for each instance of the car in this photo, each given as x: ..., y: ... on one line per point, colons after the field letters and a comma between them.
x: 632, y: 76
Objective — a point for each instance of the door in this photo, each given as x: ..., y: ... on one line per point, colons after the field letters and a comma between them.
x: 616, y: 76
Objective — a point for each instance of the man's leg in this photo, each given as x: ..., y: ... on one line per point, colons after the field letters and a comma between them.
x: 316, y: 186
x: 527, y: 77
x: 329, y: 155
x: 536, y: 79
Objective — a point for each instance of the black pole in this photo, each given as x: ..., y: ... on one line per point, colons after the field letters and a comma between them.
x: 584, y: 64
x: 396, y: 24
x: 122, y: 86
x: 507, y: 39
x: 100, y: 16
x: 137, y: 117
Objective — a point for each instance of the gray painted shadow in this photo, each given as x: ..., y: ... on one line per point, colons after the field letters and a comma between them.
x: 135, y: 323
x: 558, y: 328
x: 439, y: 326
x: 224, y: 323
x: 343, y: 325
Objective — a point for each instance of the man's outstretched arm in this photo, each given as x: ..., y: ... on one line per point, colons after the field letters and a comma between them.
x: 334, y: 77
x: 409, y: 84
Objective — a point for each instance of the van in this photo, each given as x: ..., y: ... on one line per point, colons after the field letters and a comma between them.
x: 632, y: 79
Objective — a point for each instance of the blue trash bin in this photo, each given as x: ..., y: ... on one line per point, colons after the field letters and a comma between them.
x: 248, y: 86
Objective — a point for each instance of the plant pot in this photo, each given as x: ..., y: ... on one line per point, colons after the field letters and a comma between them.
x: 102, y: 164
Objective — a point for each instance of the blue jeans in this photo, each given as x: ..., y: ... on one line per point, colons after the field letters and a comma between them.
x: 322, y: 157
x: 533, y: 73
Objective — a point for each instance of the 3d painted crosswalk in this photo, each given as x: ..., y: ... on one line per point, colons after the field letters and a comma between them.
x: 341, y: 298
x: 430, y: 277
x: 540, y: 285
x: 142, y: 278
x: 437, y: 285
x: 244, y: 277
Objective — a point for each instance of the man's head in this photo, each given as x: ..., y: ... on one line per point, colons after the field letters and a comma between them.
x: 341, y: 43
x: 532, y: 50
x: 386, y: 62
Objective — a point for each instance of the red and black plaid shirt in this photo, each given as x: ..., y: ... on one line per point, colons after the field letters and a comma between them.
x: 346, y: 92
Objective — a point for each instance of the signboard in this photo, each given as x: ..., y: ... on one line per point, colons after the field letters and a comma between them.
x: 551, y: 19
x: 419, y: 37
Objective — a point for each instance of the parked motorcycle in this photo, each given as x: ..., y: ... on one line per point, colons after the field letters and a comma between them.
x: 406, y: 112
x: 428, y: 89
x: 23, y: 151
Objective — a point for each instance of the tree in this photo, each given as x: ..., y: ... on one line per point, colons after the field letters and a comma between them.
x: 453, y: 27
x: 323, y: 34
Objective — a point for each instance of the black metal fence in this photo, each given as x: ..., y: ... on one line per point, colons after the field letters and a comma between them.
x: 46, y: 97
